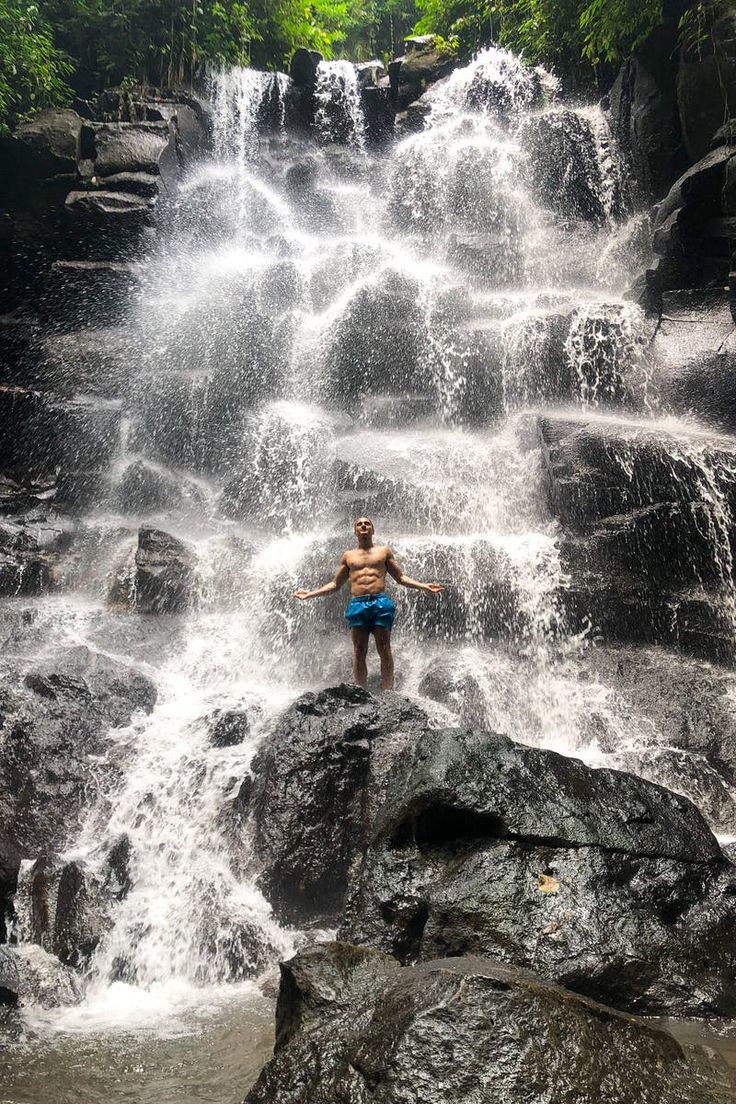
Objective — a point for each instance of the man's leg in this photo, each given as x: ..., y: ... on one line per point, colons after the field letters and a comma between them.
x: 383, y: 647
x: 360, y: 651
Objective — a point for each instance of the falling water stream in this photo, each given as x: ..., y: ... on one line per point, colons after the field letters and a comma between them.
x: 325, y: 331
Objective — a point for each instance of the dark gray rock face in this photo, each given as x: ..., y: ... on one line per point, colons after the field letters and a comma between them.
x: 163, y: 575
x: 53, y: 724
x: 29, y: 975
x: 70, y: 905
x: 644, y: 114
x: 694, y: 354
x: 130, y: 147
x: 596, y: 879
x: 565, y: 168
x: 650, y: 554
x: 706, y: 80
x: 352, y: 1027
x: 314, y: 788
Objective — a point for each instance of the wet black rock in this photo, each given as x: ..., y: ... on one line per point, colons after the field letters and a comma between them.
x: 144, y: 488
x: 70, y: 904
x: 31, y: 976
x: 353, y: 1027
x: 648, y: 530
x: 314, y: 789
x: 108, y: 225
x: 694, y: 354
x: 424, y: 62
x: 596, y: 879
x: 130, y: 147
x: 47, y: 146
x: 230, y: 727
x: 706, y: 79
x: 565, y: 165
x: 164, y: 573
x: 303, y: 66
x: 55, y: 723
x: 91, y: 361
x: 644, y: 113
x: 88, y: 293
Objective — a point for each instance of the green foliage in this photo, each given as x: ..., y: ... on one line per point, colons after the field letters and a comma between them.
x: 32, y: 71
x: 571, y: 35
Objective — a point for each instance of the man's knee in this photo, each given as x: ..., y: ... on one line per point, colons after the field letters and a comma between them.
x: 360, y: 647
x: 383, y: 646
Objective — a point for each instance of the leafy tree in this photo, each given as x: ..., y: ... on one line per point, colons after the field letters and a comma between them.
x: 33, y: 72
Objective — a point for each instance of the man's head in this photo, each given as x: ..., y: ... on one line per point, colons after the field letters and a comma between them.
x: 364, y: 530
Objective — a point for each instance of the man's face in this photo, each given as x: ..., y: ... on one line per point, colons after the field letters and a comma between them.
x: 364, y: 527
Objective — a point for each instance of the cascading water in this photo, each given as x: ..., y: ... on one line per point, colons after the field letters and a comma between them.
x: 322, y: 336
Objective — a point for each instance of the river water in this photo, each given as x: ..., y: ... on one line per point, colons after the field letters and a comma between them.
x: 314, y: 338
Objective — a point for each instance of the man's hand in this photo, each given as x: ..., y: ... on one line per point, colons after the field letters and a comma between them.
x: 300, y: 594
x: 434, y: 588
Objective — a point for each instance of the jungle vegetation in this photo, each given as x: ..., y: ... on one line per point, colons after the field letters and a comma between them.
x: 51, y: 50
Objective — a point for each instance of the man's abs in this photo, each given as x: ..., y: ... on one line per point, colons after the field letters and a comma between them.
x: 367, y: 578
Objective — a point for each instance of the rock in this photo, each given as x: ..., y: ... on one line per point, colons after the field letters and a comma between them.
x: 315, y: 785
x: 694, y: 355
x: 30, y: 976
x: 425, y: 60
x: 130, y: 147
x: 648, y: 519
x: 109, y: 225
x: 350, y: 1026
x: 370, y: 73
x: 596, y: 879
x: 565, y: 166
x: 144, y: 488
x: 164, y: 573
x: 143, y: 184
x: 48, y: 145
x: 31, y: 552
x: 706, y: 80
x: 413, y: 119
x: 644, y: 114
x: 54, y: 727
x: 231, y: 727
x: 88, y: 293
x: 303, y: 67
x: 91, y: 361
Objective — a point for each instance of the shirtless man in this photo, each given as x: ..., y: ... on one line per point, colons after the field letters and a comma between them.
x: 370, y: 609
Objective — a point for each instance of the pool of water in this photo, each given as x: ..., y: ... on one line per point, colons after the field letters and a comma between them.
x: 212, y: 1053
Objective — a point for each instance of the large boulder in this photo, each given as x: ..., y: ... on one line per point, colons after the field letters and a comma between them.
x: 648, y: 527
x: 54, y: 725
x: 706, y: 79
x: 644, y: 114
x: 351, y: 1026
x: 310, y: 795
x: 596, y: 879
x: 161, y: 577
x: 693, y: 354
x: 31, y: 976
x: 130, y: 147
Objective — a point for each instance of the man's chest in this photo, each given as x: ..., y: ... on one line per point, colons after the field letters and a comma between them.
x: 358, y: 561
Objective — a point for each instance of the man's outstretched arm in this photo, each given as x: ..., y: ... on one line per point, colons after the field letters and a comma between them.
x: 403, y: 580
x: 341, y: 577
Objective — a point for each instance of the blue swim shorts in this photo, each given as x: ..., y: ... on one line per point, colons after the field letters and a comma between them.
x: 370, y: 610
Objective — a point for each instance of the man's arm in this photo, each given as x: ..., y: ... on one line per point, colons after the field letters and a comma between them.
x: 403, y: 580
x: 341, y: 577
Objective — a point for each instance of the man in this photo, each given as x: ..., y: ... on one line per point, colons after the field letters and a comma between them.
x: 370, y: 609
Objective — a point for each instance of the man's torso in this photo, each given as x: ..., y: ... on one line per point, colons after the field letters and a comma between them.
x: 367, y: 568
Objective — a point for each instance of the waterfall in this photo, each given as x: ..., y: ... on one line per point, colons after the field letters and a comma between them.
x: 320, y: 336
x: 339, y: 115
